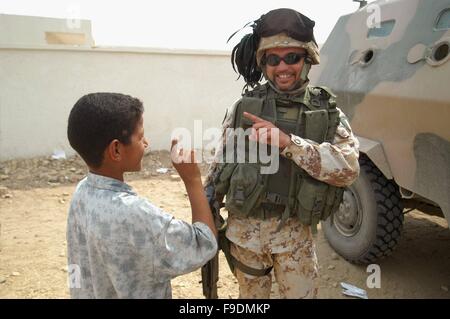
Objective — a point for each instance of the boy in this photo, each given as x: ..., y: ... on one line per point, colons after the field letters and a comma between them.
x: 119, y: 244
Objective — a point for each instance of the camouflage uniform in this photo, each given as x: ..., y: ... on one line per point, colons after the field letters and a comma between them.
x: 291, y: 250
x: 125, y: 247
x: 284, y: 244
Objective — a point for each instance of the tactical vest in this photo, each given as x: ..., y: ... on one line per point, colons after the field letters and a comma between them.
x: 291, y: 191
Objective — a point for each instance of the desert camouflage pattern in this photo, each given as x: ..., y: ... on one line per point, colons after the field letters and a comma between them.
x: 290, y: 251
x: 393, y: 84
x: 218, y: 154
x: 283, y: 40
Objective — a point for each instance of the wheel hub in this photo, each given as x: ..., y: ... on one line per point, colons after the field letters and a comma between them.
x: 347, y: 218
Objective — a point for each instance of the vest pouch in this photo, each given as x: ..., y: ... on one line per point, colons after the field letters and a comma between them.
x: 222, y: 181
x: 316, y: 125
x: 250, y: 105
x: 311, y: 200
x: 334, y: 199
x: 334, y: 120
x: 247, y: 186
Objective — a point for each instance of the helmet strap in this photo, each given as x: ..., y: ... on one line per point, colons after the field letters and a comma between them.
x: 305, y: 71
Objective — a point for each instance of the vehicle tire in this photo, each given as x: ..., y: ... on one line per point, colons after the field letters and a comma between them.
x: 369, y: 221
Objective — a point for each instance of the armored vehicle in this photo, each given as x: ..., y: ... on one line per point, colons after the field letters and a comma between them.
x: 388, y: 64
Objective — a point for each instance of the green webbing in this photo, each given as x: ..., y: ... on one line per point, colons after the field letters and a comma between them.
x: 224, y: 244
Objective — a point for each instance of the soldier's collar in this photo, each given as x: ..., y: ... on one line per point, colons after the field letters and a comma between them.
x: 300, y: 95
x: 290, y: 94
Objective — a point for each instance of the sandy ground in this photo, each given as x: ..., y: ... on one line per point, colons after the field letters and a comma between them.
x: 33, y: 248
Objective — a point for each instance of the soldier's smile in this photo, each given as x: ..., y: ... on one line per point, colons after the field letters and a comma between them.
x: 284, y: 76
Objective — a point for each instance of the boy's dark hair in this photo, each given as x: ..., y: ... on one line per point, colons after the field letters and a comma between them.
x: 97, y: 119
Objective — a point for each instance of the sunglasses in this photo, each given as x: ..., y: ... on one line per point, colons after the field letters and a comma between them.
x: 289, y: 59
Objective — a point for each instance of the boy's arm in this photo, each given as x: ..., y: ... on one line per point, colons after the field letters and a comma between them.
x: 190, y: 174
x: 199, y: 204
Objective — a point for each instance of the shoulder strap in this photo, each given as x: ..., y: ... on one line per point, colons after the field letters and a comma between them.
x: 251, y: 102
x: 326, y: 90
x: 322, y: 97
x: 258, y: 91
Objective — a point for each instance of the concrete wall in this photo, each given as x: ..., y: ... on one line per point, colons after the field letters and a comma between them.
x: 40, y: 84
x: 27, y: 30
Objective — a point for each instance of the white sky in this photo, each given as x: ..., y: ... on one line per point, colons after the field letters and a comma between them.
x: 194, y: 24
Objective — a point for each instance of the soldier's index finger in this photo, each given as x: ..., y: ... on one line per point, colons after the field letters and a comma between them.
x: 253, y: 117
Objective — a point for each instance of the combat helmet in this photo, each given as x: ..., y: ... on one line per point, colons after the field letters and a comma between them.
x: 277, y: 28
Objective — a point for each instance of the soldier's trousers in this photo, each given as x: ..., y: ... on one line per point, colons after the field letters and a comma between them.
x: 295, y: 271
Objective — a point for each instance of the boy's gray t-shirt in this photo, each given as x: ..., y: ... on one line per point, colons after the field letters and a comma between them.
x: 122, y: 246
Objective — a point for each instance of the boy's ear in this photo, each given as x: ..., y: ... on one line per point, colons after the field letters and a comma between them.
x: 114, y: 150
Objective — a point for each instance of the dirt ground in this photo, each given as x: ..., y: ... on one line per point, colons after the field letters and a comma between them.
x: 34, y: 200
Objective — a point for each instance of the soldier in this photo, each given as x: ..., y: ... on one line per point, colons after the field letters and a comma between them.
x: 271, y: 217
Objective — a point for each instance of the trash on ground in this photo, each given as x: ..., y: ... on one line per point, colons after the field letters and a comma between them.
x: 353, y: 291
x: 59, y: 154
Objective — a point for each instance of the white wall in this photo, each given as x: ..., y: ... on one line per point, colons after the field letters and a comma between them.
x: 28, y: 30
x: 39, y: 86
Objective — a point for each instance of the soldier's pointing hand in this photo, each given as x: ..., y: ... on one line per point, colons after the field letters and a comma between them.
x: 266, y: 132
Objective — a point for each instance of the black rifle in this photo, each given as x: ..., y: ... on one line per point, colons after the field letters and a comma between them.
x: 210, y: 271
